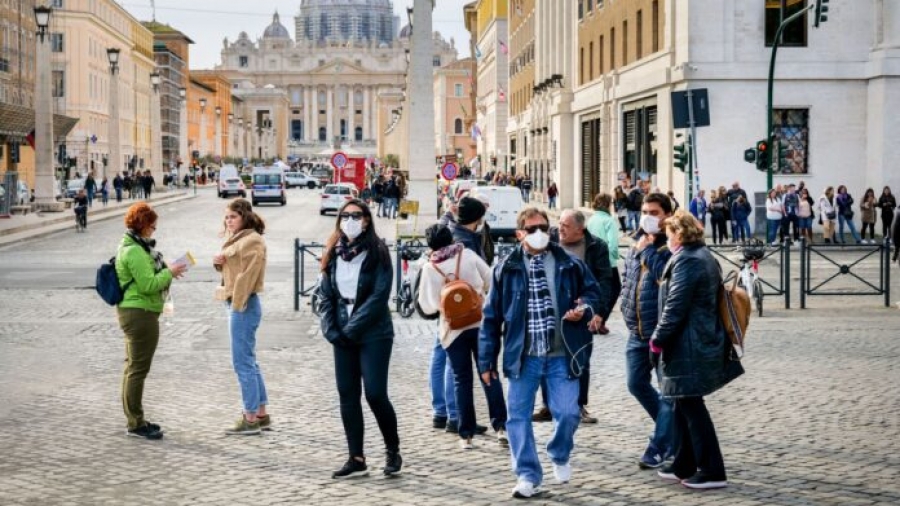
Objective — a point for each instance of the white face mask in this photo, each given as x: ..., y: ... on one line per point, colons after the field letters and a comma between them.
x: 650, y: 224
x: 538, y: 240
x: 351, y: 228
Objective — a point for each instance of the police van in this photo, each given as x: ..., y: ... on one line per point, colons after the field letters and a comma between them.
x: 268, y: 185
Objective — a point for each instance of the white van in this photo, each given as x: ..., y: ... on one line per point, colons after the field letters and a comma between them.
x: 230, y: 182
x: 268, y: 185
x: 505, y: 202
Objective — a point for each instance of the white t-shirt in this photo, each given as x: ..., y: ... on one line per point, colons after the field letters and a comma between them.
x: 347, y: 277
x: 774, y: 209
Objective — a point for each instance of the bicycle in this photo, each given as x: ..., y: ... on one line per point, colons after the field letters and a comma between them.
x: 748, y: 276
x: 411, y: 263
x: 81, y: 218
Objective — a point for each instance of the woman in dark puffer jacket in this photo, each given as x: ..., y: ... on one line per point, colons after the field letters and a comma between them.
x: 691, y: 346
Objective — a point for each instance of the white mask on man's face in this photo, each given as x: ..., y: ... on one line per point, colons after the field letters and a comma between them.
x: 538, y: 240
x: 649, y: 224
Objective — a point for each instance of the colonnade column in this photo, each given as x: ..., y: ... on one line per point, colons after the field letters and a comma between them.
x: 367, y: 116
x: 329, y: 115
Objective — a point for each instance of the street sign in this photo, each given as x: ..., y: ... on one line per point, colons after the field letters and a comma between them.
x: 450, y: 170
x: 681, y: 108
x: 339, y: 159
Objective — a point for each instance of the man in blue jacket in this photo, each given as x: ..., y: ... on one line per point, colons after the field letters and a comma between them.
x: 536, y: 306
x: 644, y: 267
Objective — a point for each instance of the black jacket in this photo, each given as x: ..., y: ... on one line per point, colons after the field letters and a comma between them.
x: 596, y: 257
x: 692, y: 363
x: 371, y: 318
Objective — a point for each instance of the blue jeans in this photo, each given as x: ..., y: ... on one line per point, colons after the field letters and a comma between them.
x: 552, y: 203
x: 772, y: 230
x: 443, y: 392
x: 637, y: 371
x: 852, y: 226
x: 743, y: 229
x: 634, y: 219
x: 391, y: 210
x: 563, y: 397
x: 461, y: 354
x: 242, y: 325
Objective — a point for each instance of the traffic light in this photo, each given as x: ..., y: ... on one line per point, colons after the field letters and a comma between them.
x: 783, y: 161
x: 821, y: 14
x: 762, y: 156
x: 682, y: 157
x: 750, y: 155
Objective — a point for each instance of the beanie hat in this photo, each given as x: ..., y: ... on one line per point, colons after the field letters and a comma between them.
x: 470, y: 210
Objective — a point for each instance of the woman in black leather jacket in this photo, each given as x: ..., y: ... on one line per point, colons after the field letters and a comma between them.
x: 691, y: 346
x: 356, y: 320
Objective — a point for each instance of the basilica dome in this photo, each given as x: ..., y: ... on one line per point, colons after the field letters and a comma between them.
x: 276, y: 30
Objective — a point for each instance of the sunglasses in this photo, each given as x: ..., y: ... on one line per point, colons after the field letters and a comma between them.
x: 543, y: 227
x: 356, y: 216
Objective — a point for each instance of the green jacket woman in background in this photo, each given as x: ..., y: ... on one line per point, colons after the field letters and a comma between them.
x: 145, y: 280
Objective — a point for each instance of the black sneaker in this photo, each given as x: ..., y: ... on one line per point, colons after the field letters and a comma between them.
x: 146, y: 432
x: 392, y: 462
x: 703, y: 481
x: 352, y: 469
x: 439, y: 422
x: 155, y: 427
x: 453, y: 428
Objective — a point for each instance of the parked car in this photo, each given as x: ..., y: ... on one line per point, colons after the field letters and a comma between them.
x: 334, y: 196
x: 505, y: 202
x: 73, y: 186
x: 268, y: 186
x: 294, y: 179
x: 323, y: 174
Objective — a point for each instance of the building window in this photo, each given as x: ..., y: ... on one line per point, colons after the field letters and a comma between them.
x: 601, y: 68
x: 639, y: 142
x: 357, y: 134
x: 590, y: 61
x: 794, y: 35
x: 655, y: 26
x: 458, y: 90
x: 4, y: 64
x: 59, y: 83
x: 57, y: 4
x: 580, y: 9
x: 324, y: 26
x: 458, y: 126
x: 297, y: 129
x: 639, y: 45
x: 581, y: 65
x: 791, y: 127
x: 624, y: 43
x: 612, y: 48
x: 436, y: 61
x: 56, y: 42
x: 590, y: 161
x: 323, y: 134
x: 589, y: 6
x: 345, y: 26
x: 243, y: 61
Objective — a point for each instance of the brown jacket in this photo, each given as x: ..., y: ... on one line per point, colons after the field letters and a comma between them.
x: 244, y: 269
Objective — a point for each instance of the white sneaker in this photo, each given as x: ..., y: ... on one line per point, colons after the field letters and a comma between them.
x: 466, y: 444
x: 562, y: 472
x: 502, y: 440
x: 524, y: 489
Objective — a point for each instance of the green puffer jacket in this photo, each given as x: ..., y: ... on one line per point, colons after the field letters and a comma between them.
x: 133, y: 262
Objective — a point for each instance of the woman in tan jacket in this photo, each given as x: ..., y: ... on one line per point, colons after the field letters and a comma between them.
x: 242, y: 262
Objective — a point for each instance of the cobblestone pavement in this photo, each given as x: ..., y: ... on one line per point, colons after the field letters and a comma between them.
x: 816, y: 419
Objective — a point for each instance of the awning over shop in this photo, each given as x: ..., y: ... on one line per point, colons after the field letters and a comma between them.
x: 17, y: 122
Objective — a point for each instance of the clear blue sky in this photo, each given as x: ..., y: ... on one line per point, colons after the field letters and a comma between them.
x: 207, y: 22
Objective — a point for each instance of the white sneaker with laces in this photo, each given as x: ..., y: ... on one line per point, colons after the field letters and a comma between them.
x: 524, y: 489
x: 562, y: 472
x: 466, y: 444
x: 502, y: 439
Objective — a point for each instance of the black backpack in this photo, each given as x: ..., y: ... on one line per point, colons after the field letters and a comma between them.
x: 107, y: 283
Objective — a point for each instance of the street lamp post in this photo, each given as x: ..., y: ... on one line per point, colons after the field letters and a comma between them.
x: 231, y: 141
x: 155, y: 129
x: 218, y: 144
x: 183, y: 131
x: 115, y: 146
x: 45, y: 194
x: 240, y: 139
x: 203, y: 149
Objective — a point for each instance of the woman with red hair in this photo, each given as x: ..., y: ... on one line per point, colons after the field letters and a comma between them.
x: 145, y: 281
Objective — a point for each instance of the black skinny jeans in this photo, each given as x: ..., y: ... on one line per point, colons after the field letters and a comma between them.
x: 886, y: 221
x: 365, y: 365
x: 698, y: 446
x: 719, y: 230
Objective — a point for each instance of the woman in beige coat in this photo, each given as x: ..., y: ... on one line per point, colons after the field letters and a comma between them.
x: 242, y: 262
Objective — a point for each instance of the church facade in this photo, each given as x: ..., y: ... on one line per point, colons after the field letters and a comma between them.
x: 344, y: 57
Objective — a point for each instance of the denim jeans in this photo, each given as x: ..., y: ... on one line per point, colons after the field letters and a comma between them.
x: 242, y: 325
x: 461, y: 354
x: 852, y: 226
x: 637, y: 371
x: 773, y: 230
x: 743, y: 229
x: 563, y: 397
x: 634, y: 219
x: 552, y: 202
x: 391, y: 209
x: 699, y: 446
x: 443, y: 391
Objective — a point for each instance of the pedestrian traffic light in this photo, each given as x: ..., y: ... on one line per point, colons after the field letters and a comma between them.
x: 750, y: 155
x: 682, y: 157
x: 762, y: 155
x: 821, y: 14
